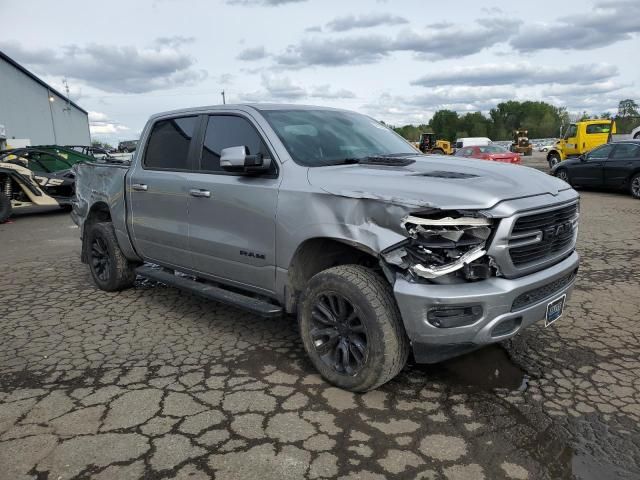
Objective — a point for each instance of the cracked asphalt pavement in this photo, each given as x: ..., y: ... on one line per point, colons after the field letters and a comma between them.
x: 154, y: 383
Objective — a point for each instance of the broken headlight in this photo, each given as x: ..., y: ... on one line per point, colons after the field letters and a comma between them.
x: 444, y: 244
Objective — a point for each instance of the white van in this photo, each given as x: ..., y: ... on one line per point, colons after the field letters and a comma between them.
x: 472, y: 142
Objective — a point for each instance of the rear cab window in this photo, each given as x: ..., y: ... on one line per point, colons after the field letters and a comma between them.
x: 599, y: 128
x: 168, y: 144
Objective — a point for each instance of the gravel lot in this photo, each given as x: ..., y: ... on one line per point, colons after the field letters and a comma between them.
x: 153, y: 383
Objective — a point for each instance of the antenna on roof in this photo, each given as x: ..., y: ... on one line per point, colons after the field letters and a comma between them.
x: 224, y: 100
x: 66, y: 90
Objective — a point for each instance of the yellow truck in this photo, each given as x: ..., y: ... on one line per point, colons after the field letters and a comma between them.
x: 581, y: 137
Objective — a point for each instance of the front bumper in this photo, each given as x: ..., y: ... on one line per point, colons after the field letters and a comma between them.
x: 500, y: 318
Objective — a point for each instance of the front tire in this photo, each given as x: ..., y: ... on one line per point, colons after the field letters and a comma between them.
x: 110, y: 269
x: 563, y: 174
x: 553, y: 159
x: 634, y: 186
x: 5, y: 208
x: 351, y: 328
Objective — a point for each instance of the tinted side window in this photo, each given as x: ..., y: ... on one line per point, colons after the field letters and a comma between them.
x: 601, y: 153
x: 626, y: 150
x: 599, y: 128
x: 225, y: 131
x: 168, y: 146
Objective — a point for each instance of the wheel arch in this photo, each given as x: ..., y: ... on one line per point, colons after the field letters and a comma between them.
x: 553, y: 151
x: 320, y: 253
x: 634, y: 172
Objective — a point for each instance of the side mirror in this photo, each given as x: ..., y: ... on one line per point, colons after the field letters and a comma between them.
x: 583, y: 158
x: 236, y: 159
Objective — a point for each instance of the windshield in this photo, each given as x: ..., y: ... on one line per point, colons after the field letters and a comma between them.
x: 493, y: 149
x: 316, y: 138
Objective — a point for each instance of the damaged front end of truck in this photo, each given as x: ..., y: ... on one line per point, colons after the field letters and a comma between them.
x: 443, y: 247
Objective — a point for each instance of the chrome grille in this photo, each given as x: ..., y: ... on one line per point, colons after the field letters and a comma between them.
x: 543, y: 235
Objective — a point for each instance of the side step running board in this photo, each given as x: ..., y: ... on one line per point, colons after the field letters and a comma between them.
x: 259, y: 307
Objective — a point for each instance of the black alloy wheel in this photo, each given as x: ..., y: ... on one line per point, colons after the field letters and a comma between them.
x: 635, y: 186
x: 562, y: 174
x: 338, y: 333
x: 100, y: 260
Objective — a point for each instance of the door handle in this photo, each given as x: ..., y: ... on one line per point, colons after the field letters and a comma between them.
x: 140, y: 187
x: 196, y: 192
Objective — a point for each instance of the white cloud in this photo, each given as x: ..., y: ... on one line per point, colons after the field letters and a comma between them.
x: 521, y: 73
x: 112, y: 68
x: 101, y: 124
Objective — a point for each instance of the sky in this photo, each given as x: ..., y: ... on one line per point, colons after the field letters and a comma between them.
x: 396, y: 60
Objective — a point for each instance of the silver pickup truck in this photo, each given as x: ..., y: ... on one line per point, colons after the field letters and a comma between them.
x: 379, y: 250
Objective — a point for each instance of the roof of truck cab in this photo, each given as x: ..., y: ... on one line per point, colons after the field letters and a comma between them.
x: 243, y: 106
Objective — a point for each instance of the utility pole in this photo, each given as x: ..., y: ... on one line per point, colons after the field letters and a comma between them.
x: 224, y: 100
x: 66, y: 89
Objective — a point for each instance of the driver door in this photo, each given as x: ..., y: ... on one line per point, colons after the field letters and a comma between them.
x: 571, y: 141
x: 232, y: 230
x: 589, y: 172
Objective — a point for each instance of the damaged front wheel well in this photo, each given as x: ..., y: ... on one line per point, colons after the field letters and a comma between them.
x: 318, y: 254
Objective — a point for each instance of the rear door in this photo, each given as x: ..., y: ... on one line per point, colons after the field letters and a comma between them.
x: 589, y: 171
x: 232, y: 217
x: 157, y: 190
x: 624, y: 160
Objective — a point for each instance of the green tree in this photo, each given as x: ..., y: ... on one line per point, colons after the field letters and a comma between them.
x: 628, y: 108
x: 473, y: 125
x: 445, y: 124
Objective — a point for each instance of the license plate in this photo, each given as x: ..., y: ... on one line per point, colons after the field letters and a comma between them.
x: 554, y: 310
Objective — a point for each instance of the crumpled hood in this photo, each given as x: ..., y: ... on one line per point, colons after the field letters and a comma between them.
x: 437, y: 181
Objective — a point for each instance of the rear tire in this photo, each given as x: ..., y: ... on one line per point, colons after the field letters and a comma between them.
x: 634, y: 186
x: 351, y: 328
x: 438, y: 151
x: 5, y: 208
x: 110, y: 269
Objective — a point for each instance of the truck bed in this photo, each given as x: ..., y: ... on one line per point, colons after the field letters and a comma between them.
x: 101, y: 183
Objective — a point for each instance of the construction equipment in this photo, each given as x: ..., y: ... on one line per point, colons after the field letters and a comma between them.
x: 521, y: 143
x: 580, y: 138
x: 429, y: 144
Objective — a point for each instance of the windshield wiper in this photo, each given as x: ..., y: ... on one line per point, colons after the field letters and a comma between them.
x: 392, y: 159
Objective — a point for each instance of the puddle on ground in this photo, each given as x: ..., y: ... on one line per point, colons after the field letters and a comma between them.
x: 485, y: 369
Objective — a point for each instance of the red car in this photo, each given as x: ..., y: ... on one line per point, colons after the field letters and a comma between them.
x: 495, y: 153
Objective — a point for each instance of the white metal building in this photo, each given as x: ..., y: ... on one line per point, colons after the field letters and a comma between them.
x: 35, y: 113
